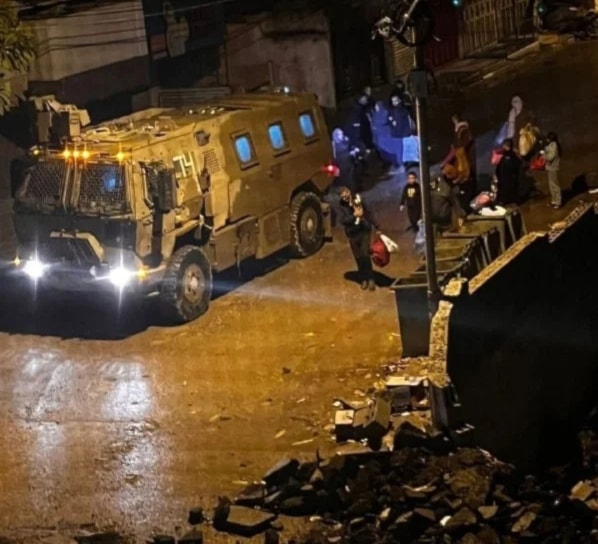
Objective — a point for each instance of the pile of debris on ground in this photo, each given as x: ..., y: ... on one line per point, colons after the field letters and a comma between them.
x: 395, y: 478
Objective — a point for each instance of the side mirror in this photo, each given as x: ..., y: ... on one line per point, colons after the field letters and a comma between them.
x: 167, y: 191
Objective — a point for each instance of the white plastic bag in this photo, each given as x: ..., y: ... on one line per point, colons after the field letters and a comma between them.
x: 391, y: 246
x: 419, y: 245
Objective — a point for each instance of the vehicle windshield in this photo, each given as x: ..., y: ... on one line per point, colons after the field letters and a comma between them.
x: 43, y: 185
x: 102, y: 188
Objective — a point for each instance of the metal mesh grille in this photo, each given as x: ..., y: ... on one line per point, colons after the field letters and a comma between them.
x: 211, y: 161
x: 46, y: 182
x: 102, y: 188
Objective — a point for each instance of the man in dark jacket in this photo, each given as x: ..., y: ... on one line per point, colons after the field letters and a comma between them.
x: 358, y: 224
x: 509, y: 172
x: 347, y: 160
x: 400, y: 127
x: 358, y: 127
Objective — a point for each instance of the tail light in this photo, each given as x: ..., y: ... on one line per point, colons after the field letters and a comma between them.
x: 332, y: 170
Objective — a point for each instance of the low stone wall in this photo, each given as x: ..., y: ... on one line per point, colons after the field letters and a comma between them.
x: 520, y: 343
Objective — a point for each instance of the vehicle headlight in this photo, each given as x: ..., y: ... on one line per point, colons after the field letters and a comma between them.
x: 34, y: 269
x: 120, y: 277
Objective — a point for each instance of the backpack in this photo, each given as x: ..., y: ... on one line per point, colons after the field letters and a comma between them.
x: 528, y: 136
x: 462, y: 165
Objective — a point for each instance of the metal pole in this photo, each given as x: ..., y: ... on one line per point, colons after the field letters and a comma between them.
x: 420, y: 84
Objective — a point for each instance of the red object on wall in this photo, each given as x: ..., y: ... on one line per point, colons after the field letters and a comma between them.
x: 446, y: 50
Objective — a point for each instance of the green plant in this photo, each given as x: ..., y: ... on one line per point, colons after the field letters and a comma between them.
x: 17, y: 50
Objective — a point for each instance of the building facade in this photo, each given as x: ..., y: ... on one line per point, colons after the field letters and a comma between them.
x: 281, y: 49
x: 460, y: 32
x: 94, y: 56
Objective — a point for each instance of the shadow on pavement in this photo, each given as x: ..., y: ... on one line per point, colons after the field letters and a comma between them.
x: 382, y: 280
x: 101, y: 317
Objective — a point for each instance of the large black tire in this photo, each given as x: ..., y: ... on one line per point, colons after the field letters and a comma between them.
x: 307, y: 224
x: 186, y: 288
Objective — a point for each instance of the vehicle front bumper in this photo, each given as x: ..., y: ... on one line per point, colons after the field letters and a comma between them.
x: 60, y: 277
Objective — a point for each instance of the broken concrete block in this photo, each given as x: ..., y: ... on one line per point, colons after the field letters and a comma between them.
x: 253, y: 495
x: 488, y: 535
x: 281, y: 472
x: 524, y: 522
x: 400, y: 399
x: 488, y: 512
x: 306, y: 471
x: 403, y: 381
x: 582, y: 491
x: 426, y: 515
x: 378, y: 420
x: 360, y: 420
x: 297, y: 506
x: 247, y: 522
x: 343, y: 425
x: 273, y: 498
x: 412, y: 433
x: 196, y: 516
x: 463, y: 518
x: 221, y: 512
x: 194, y: 536
x: 471, y: 485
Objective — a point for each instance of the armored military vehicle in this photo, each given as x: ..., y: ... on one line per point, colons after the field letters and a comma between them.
x: 153, y: 203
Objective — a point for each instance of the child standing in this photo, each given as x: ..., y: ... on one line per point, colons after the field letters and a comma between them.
x: 412, y: 199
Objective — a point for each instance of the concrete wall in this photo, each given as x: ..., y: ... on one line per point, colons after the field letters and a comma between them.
x: 88, y: 39
x: 521, y: 344
x: 92, y: 54
x: 291, y: 51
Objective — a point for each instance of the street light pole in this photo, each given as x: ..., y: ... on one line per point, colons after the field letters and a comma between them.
x: 419, y: 87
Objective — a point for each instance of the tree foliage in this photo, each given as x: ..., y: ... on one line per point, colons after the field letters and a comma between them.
x: 17, y: 50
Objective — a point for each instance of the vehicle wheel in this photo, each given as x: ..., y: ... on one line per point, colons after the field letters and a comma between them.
x: 186, y: 289
x: 307, y: 224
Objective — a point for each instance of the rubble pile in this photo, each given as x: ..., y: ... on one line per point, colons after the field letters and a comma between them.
x: 397, y: 479
x: 416, y: 495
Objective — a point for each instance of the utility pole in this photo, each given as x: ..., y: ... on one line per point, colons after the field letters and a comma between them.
x: 419, y: 88
x: 413, y: 18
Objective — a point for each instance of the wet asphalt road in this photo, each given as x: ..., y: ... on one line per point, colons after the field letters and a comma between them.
x: 109, y: 418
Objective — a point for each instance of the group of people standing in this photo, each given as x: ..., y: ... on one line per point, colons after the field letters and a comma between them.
x: 523, y: 150
x: 384, y: 129
x: 454, y: 193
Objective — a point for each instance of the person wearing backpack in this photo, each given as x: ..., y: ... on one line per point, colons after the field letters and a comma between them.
x: 552, y: 155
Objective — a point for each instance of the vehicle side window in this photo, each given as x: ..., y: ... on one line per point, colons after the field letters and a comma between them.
x: 308, y: 127
x: 244, y: 150
x: 277, y: 137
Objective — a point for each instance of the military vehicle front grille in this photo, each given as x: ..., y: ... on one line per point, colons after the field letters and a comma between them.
x: 211, y: 161
x: 71, y: 250
x: 46, y: 182
x: 102, y: 188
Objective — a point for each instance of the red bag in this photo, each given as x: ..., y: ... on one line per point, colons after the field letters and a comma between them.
x: 538, y: 163
x: 496, y: 156
x: 379, y: 252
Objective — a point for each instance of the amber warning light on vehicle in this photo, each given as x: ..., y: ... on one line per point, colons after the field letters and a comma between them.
x: 332, y: 170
